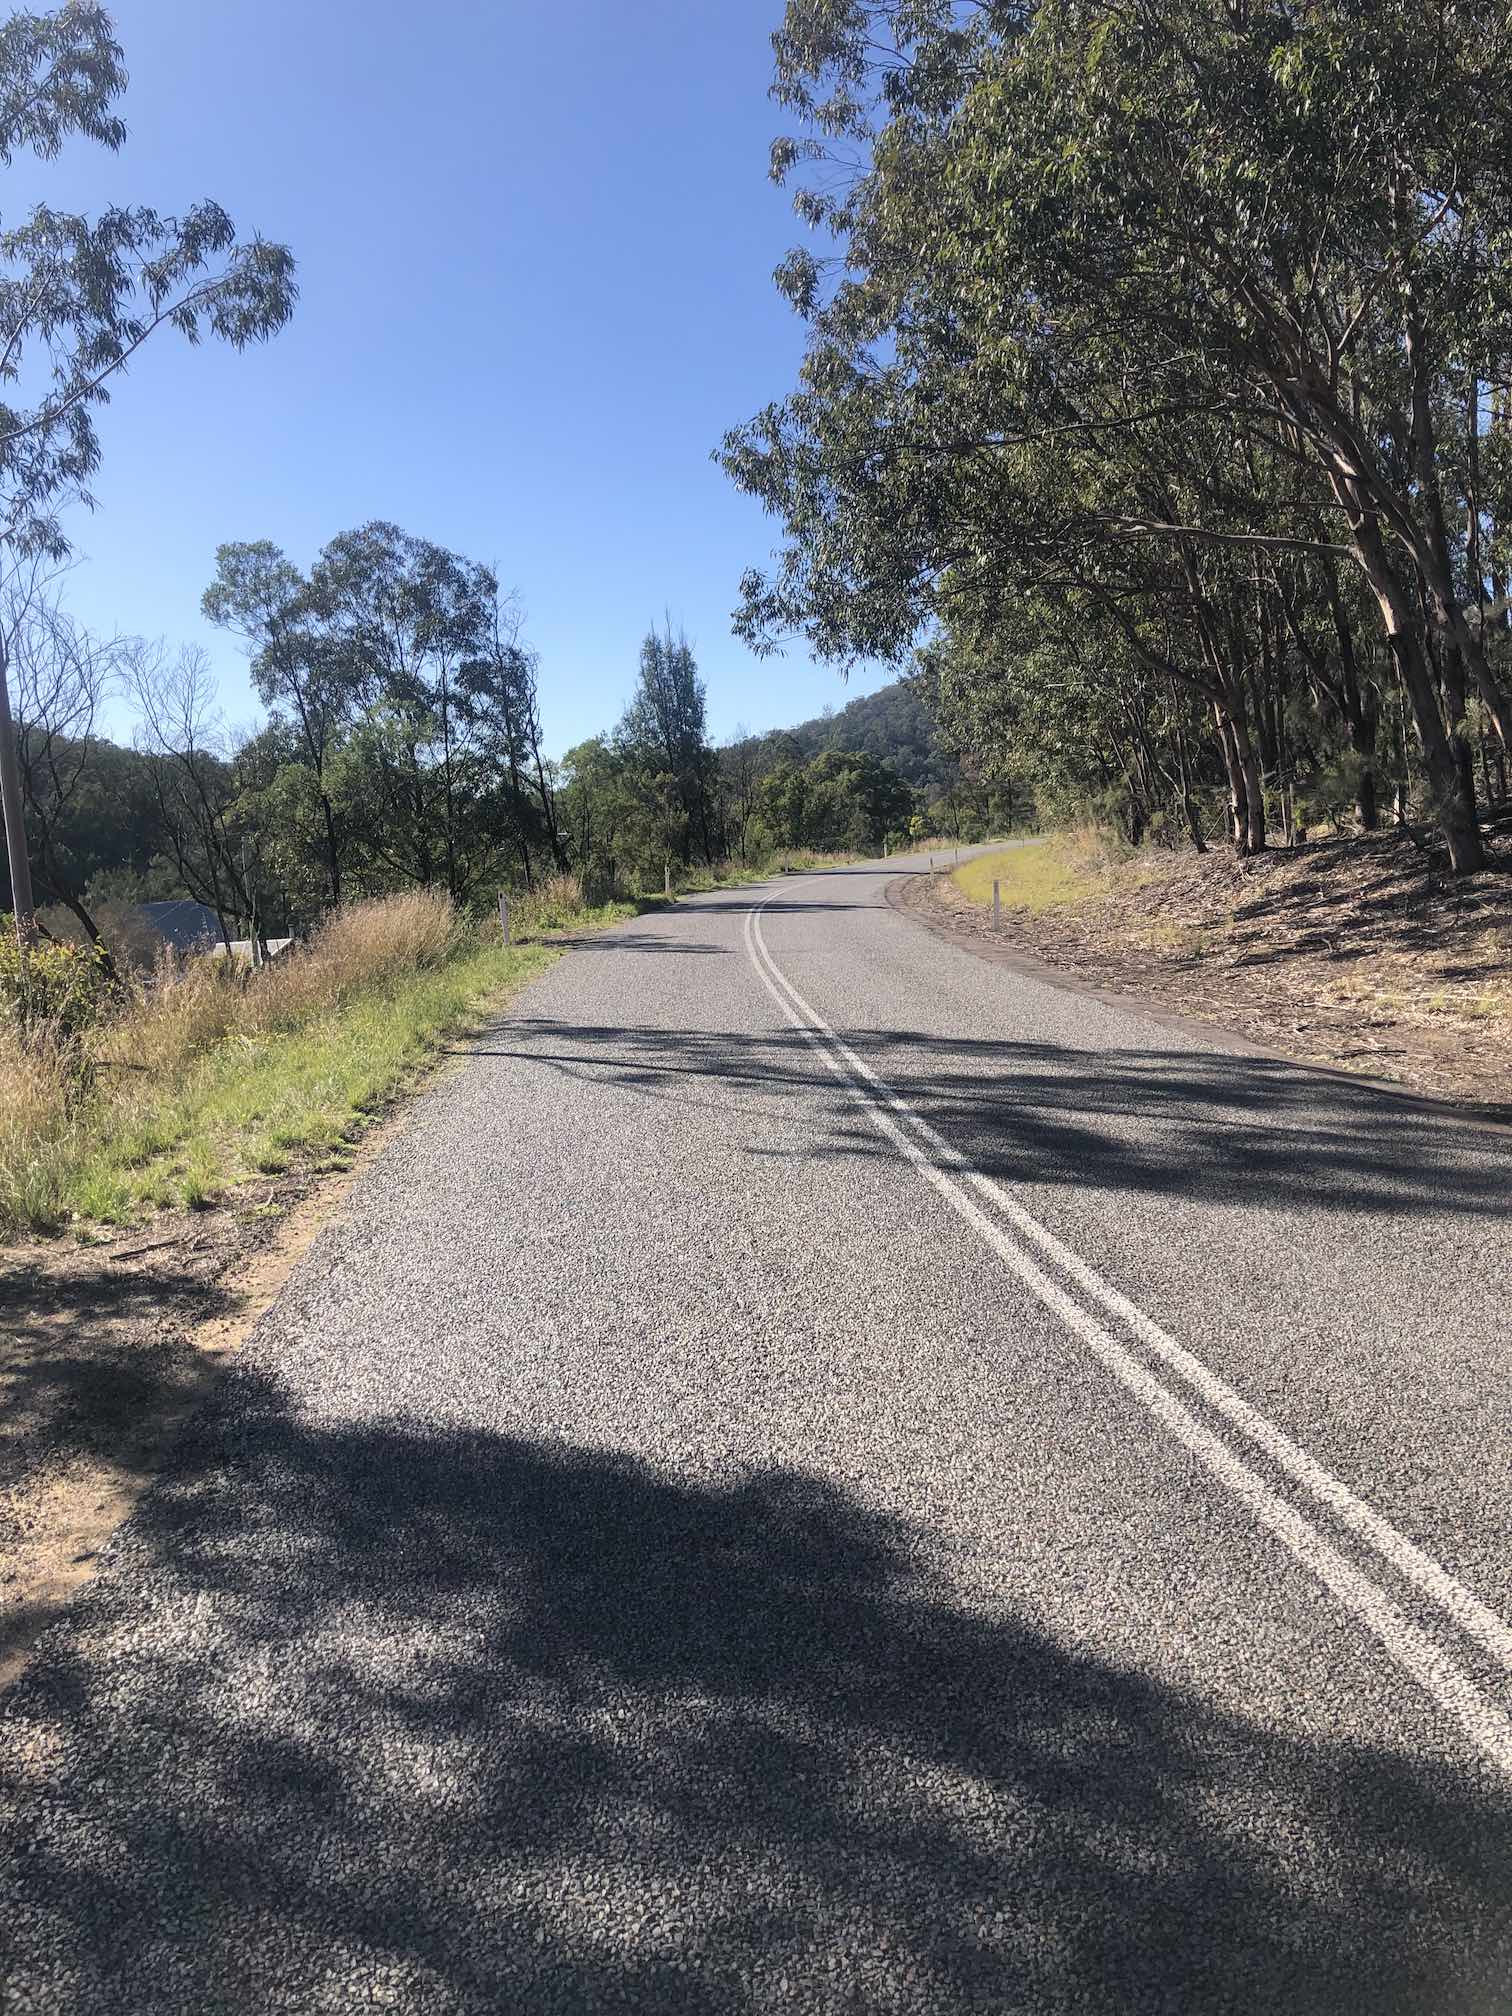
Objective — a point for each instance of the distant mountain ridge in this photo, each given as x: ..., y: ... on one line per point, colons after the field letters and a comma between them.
x: 892, y: 724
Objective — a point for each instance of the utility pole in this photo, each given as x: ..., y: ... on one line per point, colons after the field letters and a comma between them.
x: 15, y: 821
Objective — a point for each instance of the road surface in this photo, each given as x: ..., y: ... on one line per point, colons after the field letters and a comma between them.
x: 820, y: 1474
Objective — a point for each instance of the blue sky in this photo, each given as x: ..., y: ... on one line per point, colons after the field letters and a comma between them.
x: 535, y: 248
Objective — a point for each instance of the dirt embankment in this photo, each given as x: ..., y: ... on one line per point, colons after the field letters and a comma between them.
x: 1358, y: 953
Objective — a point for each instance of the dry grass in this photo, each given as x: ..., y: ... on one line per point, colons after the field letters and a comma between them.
x: 207, y: 1072
x: 1041, y: 875
x: 554, y: 905
x: 185, y: 1007
x: 38, y: 1127
x: 1405, y: 990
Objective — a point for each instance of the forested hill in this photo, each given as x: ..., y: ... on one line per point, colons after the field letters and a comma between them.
x: 891, y: 724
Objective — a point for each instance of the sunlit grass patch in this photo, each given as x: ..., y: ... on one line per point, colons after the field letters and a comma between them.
x: 248, y: 1108
x: 1396, y: 995
x: 205, y: 1077
x: 1040, y: 875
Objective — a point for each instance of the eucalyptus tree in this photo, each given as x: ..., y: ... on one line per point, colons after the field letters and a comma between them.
x: 403, y: 617
x: 500, y: 698
x: 296, y: 668
x: 600, y: 813
x: 79, y: 298
x: 1082, y: 252
x: 944, y: 456
x: 742, y: 763
x: 1318, y: 202
x: 404, y: 694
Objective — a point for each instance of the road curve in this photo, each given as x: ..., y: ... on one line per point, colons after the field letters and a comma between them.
x: 819, y: 1472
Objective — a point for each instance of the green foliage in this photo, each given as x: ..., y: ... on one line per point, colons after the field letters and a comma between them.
x: 1168, y: 336
x: 404, y: 744
x: 650, y: 796
x: 78, y: 298
x: 895, y: 724
x: 54, y: 988
x: 663, y: 744
x: 843, y: 801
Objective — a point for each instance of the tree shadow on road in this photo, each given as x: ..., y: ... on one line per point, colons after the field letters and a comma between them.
x: 635, y: 941
x: 1222, y: 1127
x: 98, y: 1369
x: 461, y: 1721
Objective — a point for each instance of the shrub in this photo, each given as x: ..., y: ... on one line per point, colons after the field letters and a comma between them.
x: 53, y: 987
x: 553, y: 906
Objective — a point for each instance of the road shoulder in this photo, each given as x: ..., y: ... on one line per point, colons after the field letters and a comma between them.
x: 928, y: 901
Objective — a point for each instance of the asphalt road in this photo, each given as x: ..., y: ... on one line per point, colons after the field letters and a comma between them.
x: 819, y: 1474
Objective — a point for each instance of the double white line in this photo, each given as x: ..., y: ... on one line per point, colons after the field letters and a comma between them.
x: 1016, y: 1238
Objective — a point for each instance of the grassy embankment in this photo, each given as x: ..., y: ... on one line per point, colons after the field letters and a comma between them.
x: 1040, y: 875
x: 204, y: 1079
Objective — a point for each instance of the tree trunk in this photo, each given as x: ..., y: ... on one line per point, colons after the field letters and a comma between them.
x: 1246, y: 792
x: 548, y: 811
x: 333, y: 851
x: 15, y: 818
x: 1452, y: 808
x: 1367, y: 803
x: 1249, y: 808
x: 1361, y: 720
x: 91, y: 930
x: 1453, y: 812
x: 1188, y: 801
x: 1463, y: 647
x: 1451, y: 667
x: 1234, y: 770
x: 1254, y: 793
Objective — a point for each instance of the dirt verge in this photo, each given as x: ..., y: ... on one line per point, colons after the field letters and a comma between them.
x: 1356, y: 954
x: 107, y: 1344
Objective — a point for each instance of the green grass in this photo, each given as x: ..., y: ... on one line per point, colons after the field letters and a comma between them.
x: 252, y: 1107
x: 1041, y: 875
x: 258, y: 1105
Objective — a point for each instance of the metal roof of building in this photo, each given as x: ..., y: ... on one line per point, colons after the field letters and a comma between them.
x: 181, y: 923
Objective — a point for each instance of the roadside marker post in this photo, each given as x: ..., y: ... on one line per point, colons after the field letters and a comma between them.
x: 997, y: 906
x: 504, y: 915
x: 666, y: 878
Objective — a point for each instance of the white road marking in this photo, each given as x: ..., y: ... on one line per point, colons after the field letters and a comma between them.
x: 1447, y: 1684
x: 1409, y: 1560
